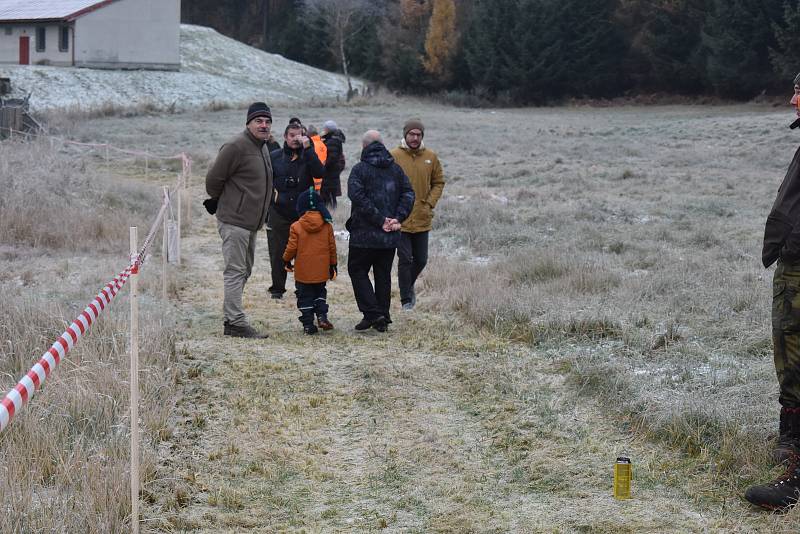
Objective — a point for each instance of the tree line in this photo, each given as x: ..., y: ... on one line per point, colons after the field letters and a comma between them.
x: 529, y: 51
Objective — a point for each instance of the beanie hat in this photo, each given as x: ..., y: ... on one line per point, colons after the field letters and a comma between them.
x: 258, y: 109
x: 310, y: 200
x: 413, y: 124
x: 797, y: 80
x: 330, y: 126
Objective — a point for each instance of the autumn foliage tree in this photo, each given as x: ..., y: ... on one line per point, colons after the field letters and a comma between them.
x: 441, y: 41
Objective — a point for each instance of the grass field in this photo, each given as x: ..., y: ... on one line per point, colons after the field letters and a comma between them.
x: 595, y: 288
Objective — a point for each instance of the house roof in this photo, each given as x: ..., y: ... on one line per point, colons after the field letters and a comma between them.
x: 47, y: 10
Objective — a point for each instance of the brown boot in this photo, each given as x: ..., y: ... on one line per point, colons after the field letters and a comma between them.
x: 782, y: 493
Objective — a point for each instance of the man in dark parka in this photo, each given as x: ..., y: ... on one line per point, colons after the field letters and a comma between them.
x: 382, y: 198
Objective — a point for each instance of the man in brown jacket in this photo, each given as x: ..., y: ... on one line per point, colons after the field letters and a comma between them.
x: 240, y: 186
x: 423, y: 169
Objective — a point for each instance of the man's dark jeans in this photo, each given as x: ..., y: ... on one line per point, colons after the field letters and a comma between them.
x: 372, y: 302
x: 277, y: 238
x: 412, y: 256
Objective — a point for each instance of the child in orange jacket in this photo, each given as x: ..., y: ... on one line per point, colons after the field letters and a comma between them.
x: 313, y: 247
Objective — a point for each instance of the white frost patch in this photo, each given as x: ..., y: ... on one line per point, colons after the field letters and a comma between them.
x: 479, y: 260
x: 214, y: 68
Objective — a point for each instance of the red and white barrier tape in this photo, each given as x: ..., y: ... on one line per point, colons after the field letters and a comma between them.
x: 27, y: 386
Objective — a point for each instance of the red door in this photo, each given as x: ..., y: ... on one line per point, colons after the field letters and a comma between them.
x: 24, y: 50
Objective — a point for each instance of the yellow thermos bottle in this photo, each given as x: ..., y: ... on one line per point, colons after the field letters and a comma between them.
x: 623, y: 472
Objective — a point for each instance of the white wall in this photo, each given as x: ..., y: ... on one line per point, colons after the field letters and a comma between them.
x: 130, y: 34
x: 9, y: 45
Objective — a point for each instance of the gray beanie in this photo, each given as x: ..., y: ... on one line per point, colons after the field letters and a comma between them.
x: 797, y: 80
x: 330, y: 126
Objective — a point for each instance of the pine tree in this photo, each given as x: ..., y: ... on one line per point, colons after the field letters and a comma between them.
x: 737, y: 37
x: 490, y: 52
x: 785, y: 55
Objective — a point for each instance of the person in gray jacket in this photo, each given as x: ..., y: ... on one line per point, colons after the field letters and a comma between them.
x: 240, y: 186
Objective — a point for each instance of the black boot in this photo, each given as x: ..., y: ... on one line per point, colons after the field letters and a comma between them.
x: 245, y: 331
x: 780, y: 494
x: 789, y: 438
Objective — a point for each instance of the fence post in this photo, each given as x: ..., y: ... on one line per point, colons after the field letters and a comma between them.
x: 134, y: 379
x: 180, y: 204
x: 187, y: 177
x: 164, y: 250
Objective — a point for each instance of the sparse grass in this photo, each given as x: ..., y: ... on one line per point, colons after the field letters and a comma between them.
x: 63, y: 235
x: 624, y: 261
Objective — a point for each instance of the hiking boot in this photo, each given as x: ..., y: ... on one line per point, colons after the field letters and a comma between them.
x: 324, y: 323
x: 408, y: 306
x: 276, y: 296
x: 380, y: 325
x: 245, y: 331
x: 780, y: 494
x: 365, y: 323
x: 226, y: 328
x: 789, y: 438
x: 310, y: 329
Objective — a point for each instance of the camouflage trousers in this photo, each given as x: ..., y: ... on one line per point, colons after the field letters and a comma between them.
x: 786, y: 331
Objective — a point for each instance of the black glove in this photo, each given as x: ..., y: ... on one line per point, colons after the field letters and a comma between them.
x: 333, y: 272
x: 211, y: 205
x: 795, y: 124
x: 287, y: 265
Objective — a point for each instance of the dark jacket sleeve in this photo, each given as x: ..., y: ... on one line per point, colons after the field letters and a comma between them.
x: 406, y: 201
x: 358, y: 196
x: 220, y: 171
x: 782, y: 233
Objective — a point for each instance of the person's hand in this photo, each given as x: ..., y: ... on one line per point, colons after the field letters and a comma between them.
x: 287, y: 265
x: 306, y: 141
x: 390, y: 225
x: 333, y: 272
x: 211, y: 205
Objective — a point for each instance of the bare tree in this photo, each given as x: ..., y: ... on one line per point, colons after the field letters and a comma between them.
x: 341, y: 20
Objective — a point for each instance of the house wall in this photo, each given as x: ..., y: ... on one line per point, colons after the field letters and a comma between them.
x: 9, y: 45
x: 130, y: 34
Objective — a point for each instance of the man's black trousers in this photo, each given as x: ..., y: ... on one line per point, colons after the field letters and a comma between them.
x: 372, y: 302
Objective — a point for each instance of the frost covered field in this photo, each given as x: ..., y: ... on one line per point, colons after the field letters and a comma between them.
x: 215, y: 70
x: 595, y: 288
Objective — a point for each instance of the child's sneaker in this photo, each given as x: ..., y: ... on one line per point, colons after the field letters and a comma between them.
x: 324, y: 323
x: 310, y: 329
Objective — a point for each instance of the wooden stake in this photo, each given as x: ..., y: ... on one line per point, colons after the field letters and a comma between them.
x: 134, y: 379
x: 164, y: 250
x: 186, y: 179
x: 180, y: 204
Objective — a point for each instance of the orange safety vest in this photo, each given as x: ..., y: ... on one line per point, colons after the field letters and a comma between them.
x: 322, y: 154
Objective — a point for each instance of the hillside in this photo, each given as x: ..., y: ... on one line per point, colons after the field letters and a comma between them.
x: 215, y: 69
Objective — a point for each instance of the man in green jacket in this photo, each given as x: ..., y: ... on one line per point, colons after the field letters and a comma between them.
x: 423, y: 169
x: 240, y: 186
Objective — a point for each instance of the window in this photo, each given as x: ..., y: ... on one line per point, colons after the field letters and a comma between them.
x: 63, y: 38
x: 9, y: 30
x: 40, y: 35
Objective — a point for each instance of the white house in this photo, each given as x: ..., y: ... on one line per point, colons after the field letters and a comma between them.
x: 108, y: 34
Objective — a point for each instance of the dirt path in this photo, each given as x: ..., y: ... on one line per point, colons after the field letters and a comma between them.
x: 431, y: 427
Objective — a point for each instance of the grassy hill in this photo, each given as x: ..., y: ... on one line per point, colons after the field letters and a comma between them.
x: 215, y: 71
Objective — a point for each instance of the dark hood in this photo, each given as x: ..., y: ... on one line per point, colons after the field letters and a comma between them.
x: 337, y: 134
x: 376, y: 155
